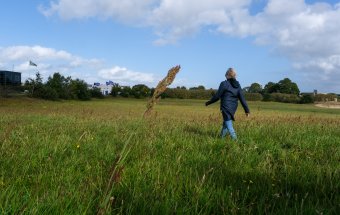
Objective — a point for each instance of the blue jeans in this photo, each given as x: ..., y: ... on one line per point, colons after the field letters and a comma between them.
x: 227, y: 127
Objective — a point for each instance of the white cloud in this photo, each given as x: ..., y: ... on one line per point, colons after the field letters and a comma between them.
x: 125, y: 11
x: 36, y: 52
x: 321, y: 73
x: 171, y: 19
x: 124, y: 76
x: 306, y: 34
x: 50, y: 61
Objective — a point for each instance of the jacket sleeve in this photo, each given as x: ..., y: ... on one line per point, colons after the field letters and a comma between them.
x: 243, y: 101
x: 217, y: 95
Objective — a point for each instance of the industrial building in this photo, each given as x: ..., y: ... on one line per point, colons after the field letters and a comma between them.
x: 9, y: 78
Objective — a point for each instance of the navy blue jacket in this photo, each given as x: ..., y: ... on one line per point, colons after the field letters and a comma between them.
x: 229, y: 92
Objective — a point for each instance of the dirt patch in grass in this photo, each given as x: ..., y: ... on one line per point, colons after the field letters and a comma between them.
x: 334, y: 105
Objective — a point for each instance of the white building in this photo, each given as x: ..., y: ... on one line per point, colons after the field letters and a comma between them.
x: 104, y: 88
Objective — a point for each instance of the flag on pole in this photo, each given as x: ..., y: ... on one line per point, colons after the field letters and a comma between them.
x: 33, y: 64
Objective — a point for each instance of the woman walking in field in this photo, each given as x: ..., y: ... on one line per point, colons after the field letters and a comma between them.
x: 229, y: 92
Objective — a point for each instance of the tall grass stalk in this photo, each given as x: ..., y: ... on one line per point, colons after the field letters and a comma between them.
x: 161, y: 87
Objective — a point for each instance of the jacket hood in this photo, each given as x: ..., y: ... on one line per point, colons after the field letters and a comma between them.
x: 234, y: 82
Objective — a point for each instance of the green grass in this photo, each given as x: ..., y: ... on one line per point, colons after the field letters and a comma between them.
x: 72, y: 157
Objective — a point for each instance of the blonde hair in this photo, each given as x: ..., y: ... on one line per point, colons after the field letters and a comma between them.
x: 231, y: 73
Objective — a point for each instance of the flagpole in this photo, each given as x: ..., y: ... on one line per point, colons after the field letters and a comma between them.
x: 32, y: 64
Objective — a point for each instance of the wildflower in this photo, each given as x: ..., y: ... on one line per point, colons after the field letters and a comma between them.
x: 78, y: 146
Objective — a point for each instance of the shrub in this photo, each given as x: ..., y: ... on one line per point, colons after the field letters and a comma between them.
x: 125, y: 91
x: 324, y: 97
x: 253, y: 96
x: 201, y: 94
x: 79, y: 90
x: 182, y: 93
x: 96, y: 93
x: 116, y: 90
x: 140, y: 91
x: 176, y: 93
x: 306, y: 99
x: 267, y: 97
x: 286, y: 98
x: 48, y: 93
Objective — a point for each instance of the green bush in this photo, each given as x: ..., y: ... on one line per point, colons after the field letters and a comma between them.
x: 201, y: 94
x: 79, y: 90
x: 48, y: 93
x: 181, y: 93
x: 125, y: 91
x: 286, y: 98
x: 267, y: 97
x: 140, y: 91
x: 324, y: 97
x: 306, y: 99
x: 176, y: 93
x: 116, y: 90
x: 96, y: 93
x: 253, y: 96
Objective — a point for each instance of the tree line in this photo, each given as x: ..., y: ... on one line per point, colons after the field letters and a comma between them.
x: 59, y: 87
x: 284, y: 91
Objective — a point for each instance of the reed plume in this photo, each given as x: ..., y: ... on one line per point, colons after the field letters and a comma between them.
x: 161, y: 87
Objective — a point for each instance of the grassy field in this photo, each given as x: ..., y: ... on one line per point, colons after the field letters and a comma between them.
x: 101, y: 157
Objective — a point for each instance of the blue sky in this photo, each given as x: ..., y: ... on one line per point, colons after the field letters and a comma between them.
x: 137, y: 41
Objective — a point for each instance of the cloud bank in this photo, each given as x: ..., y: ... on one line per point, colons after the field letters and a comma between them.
x: 306, y: 34
x: 50, y: 61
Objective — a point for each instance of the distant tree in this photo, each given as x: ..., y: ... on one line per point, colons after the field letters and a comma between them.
x: 35, y: 86
x: 60, y: 84
x: 305, y: 99
x: 140, y: 91
x: 125, y: 91
x: 271, y: 87
x: 285, y: 86
x: 96, y: 93
x: 246, y: 89
x: 288, y: 87
x: 255, y: 88
x: 79, y: 89
x: 49, y: 93
x: 200, y: 87
x: 116, y: 90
